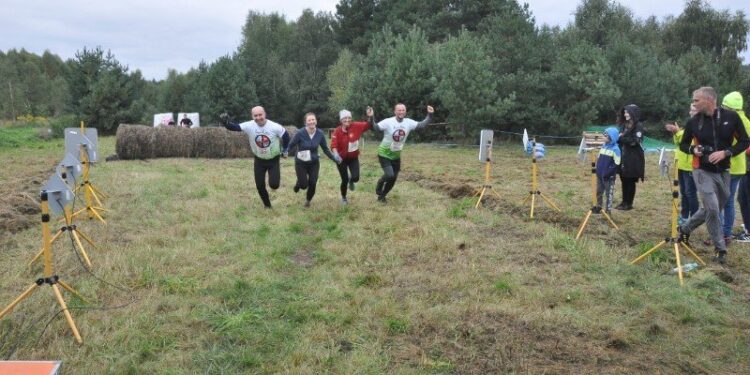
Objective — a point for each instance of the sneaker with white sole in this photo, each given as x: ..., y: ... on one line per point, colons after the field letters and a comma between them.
x: 742, y: 237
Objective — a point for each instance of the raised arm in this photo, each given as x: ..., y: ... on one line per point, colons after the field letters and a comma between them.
x: 224, y: 120
x: 427, y: 120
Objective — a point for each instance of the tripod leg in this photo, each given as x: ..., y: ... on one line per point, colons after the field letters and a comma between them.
x: 480, y: 198
x: 18, y: 300
x: 85, y: 237
x: 68, y: 317
x: 549, y: 202
x: 80, y: 247
x: 526, y: 199
x: 96, y: 197
x: 476, y: 192
x: 496, y: 193
x: 96, y: 214
x: 79, y: 212
x: 583, y: 225
x: 679, y: 264
x: 533, y: 202
x: 647, y: 253
x: 41, y: 251
x: 694, y: 254
x: 98, y: 192
x: 609, y: 219
x: 71, y: 290
x: 36, y: 257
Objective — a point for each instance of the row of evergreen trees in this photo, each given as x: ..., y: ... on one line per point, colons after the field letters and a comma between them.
x: 481, y: 63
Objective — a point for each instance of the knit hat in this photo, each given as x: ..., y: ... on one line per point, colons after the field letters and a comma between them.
x: 344, y: 113
x: 733, y: 100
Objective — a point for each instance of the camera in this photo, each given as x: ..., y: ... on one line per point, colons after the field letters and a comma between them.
x: 705, y: 152
x: 705, y: 149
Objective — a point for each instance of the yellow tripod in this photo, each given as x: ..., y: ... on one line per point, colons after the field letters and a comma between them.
x: 90, y: 192
x: 487, y: 186
x: 77, y: 235
x: 674, y: 239
x: 594, y: 207
x: 535, y: 186
x: 49, y: 277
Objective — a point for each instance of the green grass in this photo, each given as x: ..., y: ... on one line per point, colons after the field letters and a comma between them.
x: 424, y: 285
x: 15, y: 137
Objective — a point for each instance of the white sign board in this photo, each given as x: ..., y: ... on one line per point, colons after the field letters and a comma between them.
x: 485, y: 145
x: 163, y: 119
x: 193, y: 116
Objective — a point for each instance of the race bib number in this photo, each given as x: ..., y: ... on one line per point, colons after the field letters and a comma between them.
x: 397, y: 146
x: 353, y: 146
x: 304, y: 155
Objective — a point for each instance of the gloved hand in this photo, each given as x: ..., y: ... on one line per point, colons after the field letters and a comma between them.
x: 337, y: 158
x: 224, y: 118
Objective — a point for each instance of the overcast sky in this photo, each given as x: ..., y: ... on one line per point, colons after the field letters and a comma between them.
x: 154, y: 36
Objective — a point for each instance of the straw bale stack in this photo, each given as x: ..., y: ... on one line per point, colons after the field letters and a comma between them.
x: 146, y: 142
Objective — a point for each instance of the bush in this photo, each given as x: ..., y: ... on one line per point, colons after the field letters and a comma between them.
x: 59, y: 124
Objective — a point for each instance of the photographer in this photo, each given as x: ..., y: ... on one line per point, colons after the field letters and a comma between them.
x: 708, y: 137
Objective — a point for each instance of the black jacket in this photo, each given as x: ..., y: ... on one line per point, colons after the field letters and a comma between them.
x: 633, y: 163
x: 717, y: 133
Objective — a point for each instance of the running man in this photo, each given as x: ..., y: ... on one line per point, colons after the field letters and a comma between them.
x: 395, y: 130
x: 266, y: 141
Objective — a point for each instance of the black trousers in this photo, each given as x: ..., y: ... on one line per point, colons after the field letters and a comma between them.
x: 261, y: 167
x: 390, y: 174
x: 307, y: 176
x: 628, y: 189
x: 349, y: 171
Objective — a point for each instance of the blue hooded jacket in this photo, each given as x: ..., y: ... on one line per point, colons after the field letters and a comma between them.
x: 609, y: 155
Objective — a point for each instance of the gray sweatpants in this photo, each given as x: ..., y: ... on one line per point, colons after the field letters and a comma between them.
x: 713, y: 191
x: 605, y: 186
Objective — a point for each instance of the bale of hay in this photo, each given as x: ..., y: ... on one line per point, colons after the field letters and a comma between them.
x: 291, y: 130
x: 220, y: 143
x: 171, y: 142
x: 133, y: 142
x: 145, y: 142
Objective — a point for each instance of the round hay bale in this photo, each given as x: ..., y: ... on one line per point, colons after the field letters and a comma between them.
x: 144, y: 142
x: 291, y: 130
x: 170, y: 142
x: 133, y: 142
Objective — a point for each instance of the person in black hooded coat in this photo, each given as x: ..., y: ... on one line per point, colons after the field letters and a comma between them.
x: 633, y: 164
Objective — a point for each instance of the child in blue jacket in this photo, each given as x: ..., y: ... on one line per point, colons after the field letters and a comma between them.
x: 607, y: 165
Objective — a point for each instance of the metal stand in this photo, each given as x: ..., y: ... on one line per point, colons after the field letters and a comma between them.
x: 487, y: 186
x: 535, y: 186
x: 49, y: 277
x: 674, y: 238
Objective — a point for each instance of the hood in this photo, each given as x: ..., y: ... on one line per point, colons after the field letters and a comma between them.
x: 633, y: 110
x: 733, y: 101
x: 614, y: 135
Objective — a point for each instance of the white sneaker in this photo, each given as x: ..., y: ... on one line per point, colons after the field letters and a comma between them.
x: 742, y: 237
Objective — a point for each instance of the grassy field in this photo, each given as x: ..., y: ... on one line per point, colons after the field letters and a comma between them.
x: 208, y: 282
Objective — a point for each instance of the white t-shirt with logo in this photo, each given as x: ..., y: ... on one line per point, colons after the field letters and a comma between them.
x: 265, y: 141
x: 394, y: 136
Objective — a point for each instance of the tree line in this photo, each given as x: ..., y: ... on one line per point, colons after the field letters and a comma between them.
x: 481, y: 63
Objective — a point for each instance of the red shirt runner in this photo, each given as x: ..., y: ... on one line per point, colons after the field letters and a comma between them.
x: 344, y: 140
